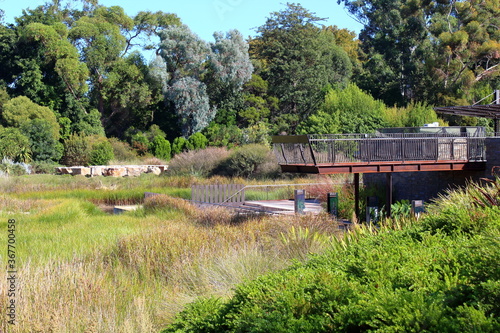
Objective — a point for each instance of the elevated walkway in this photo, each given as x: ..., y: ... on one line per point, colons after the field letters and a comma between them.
x: 441, y: 150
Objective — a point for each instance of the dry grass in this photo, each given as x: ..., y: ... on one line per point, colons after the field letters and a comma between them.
x: 198, y: 162
x: 84, y: 271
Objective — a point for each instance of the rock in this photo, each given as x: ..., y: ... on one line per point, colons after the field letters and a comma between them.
x: 83, y: 171
x: 134, y: 171
x: 115, y: 172
x: 96, y: 170
x: 154, y: 170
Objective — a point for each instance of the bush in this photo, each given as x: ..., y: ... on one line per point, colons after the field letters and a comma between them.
x: 122, y: 150
x: 244, y: 161
x: 180, y: 145
x: 41, y: 167
x: 76, y: 151
x: 10, y: 168
x: 140, y: 143
x: 14, y: 145
x: 198, y: 162
x: 198, y: 141
x: 44, y: 145
x: 160, y: 147
x: 101, y: 153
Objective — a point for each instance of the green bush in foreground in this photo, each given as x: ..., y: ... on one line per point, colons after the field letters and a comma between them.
x: 428, y: 277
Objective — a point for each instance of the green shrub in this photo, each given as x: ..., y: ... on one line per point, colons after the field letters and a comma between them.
x: 42, y: 167
x: 140, y: 143
x: 122, y: 150
x: 376, y: 280
x: 198, y: 162
x: 244, y: 161
x: 180, y: 145
x: 76, y: 151
x: 44, y: 145
x: 202, y: 315
x: 14, y: 145
x: 198, y: 141
x: 160, y: 147
x: 10, y: 168
x: 101, y: 153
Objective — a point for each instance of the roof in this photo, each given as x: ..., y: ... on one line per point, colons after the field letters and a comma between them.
x: 486, y: 111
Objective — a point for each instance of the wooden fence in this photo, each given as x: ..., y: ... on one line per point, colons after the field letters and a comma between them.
x: 228, y: 193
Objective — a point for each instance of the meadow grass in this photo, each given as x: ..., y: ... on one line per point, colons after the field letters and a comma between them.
x: 83, y: 270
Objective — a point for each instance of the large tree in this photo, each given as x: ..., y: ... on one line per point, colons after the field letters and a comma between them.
x: 199, y: 77
x: 299, y: 62
x: 436, y: 51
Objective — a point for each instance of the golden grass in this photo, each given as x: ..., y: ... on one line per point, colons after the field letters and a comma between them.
x: 81, y: 270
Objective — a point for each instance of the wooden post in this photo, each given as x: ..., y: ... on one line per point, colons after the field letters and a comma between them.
x: 388, y: 193
x: 356, y: 195
x: 497, y: 121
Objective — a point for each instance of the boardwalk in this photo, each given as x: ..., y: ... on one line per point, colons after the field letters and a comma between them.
x: 462, y: 149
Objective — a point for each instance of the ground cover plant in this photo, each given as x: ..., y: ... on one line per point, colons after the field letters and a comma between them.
x: 438, y: 274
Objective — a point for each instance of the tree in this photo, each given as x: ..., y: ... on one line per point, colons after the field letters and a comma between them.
x: 348, y: 110
x: 299, y: 62
x: 21, y: 110
x: 197, y: 77
x: 435, y: 51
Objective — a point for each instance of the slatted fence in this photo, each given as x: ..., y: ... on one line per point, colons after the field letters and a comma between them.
x: 227, y: 193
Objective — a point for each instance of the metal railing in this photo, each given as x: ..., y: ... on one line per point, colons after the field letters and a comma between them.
x: 395, y: 147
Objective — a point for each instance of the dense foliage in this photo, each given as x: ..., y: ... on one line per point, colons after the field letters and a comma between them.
x: 440, y: 274
x: 78, y: 67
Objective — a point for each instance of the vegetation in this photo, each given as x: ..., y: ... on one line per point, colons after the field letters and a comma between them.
x: 438, y: 274
x: 75, y: 90
x: 137, y: 269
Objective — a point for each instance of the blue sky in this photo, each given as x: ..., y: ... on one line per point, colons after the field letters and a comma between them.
x: 204, y: 17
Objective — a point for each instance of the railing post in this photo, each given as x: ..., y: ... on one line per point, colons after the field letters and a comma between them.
x: 311, y: 150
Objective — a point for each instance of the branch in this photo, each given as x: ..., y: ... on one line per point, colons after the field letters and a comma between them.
x: 486, y: 72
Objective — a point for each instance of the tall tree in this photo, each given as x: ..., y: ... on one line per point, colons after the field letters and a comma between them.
x: 199, y: 77
x: 427, y: 50
x: 299, y: 62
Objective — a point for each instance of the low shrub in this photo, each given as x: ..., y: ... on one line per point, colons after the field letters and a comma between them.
x: 197, y: 162
x: 160, y: 147
x: 180, y: 145
x: 122, y: 150
x: 438, y: 274
x: 198, y: 141
x: 11, y: 168
x: 101, y: 153
x: 244, y: 161
x: 43, y: 167
x: 14, y: 145
x: 76, y: 151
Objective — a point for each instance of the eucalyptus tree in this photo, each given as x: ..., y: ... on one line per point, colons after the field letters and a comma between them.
x: 198, y: 77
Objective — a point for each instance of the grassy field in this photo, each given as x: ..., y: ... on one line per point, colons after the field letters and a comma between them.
x: 80, y: 269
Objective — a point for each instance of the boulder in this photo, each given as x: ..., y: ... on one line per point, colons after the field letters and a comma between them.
x: 83, y: 171
x: 115, y: 171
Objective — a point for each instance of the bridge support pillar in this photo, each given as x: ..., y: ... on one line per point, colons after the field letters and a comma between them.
x: 388, y: 193
x: 356, y: 195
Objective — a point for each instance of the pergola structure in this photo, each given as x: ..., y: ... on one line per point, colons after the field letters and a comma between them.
x: 491, y: 111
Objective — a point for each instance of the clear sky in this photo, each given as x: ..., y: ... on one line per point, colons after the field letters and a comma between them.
x: 204, y: 17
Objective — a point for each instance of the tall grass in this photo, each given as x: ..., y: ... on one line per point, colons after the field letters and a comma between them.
x: 82, y: 270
